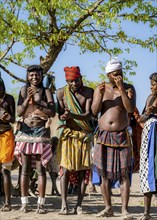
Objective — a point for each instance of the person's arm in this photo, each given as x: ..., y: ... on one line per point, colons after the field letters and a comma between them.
x: 147, y: 111
x: 12, y: 109
x: 98, y: 98
x: 9, y: 114
x: 48, y: 106
x: 128, y: 99
x: 23, y: 103
x: 65, y: 113
x: 60, y: 103
x: 86, y: 115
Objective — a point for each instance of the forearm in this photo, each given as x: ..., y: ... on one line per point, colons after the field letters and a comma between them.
x: 143, y: 118
x: 81, y: 117
x: 21, y: 108
x: 97, y: 104
x: 129, y: 103
x: 48, y: 109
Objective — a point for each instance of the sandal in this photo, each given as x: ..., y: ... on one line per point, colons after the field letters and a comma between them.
x: 6, y: 208
x: 63, y: 211
x: 105, y: 213
x: 146, y: 217
x: 40, y: 209
x: 24, y: 208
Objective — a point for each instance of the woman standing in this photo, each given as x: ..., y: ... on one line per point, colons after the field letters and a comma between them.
x: 35, y: 107
x: 148, y: 151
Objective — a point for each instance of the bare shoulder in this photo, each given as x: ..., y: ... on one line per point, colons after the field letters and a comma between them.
x: 23, y: 91
x: 149, y: 98
x: 87, y: 91
x: 60, y: 93
x: 9, y: 97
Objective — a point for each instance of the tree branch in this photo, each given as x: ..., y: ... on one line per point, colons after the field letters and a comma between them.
x: 11, y: 74
x: 7, y: 50
x: 16, y: 63
x: 83, y: 17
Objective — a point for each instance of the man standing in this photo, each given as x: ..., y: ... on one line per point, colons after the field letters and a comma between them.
x: 74, y: 106
x: 7, y: 116
x: 113, y: 151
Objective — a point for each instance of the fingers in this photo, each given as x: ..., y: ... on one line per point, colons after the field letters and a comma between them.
x: 117, y: 78
x: 31, y: 91
x: 102, y: 88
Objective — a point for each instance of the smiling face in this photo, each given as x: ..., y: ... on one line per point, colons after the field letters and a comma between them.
x: 75, y: 84
x: 153, y: 87
x: 35, y: 77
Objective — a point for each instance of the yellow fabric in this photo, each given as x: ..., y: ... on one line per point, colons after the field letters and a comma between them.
x: 73, y: 151
x: 7, y: 146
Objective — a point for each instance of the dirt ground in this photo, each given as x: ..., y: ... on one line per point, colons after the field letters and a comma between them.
x: 92, y: 204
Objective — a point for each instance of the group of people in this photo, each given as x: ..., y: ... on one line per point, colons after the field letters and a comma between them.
x: 77, y: 107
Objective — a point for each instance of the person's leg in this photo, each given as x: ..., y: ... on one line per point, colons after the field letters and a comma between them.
x: 41, y: 184
x: 7, y: 189
x: 81, y: 191
x: 106, y: 193
x: 24, y: 180
x: 147, y: 202
x: 53, y: 177
x: 64, y: 189
x: 125, y: 193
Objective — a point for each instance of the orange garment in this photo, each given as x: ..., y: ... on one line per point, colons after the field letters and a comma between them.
x: 7, y: 146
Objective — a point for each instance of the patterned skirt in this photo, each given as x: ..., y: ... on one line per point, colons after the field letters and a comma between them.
x: 148, y: 157
x: 33, y: 141
x: 113, y: 163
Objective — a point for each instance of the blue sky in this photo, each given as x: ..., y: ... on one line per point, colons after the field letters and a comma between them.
x: 89, y: 64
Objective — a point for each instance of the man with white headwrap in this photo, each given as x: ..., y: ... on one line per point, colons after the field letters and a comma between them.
x: 113, y: 150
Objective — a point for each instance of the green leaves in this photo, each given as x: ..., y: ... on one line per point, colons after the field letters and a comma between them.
x: 96, y: 26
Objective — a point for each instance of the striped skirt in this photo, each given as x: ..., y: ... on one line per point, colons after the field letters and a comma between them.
x: 33, y: 141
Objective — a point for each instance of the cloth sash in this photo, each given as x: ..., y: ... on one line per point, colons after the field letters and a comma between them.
x: 75, y: 108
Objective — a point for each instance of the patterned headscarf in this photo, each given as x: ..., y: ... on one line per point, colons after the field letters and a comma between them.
x: 71, y: 73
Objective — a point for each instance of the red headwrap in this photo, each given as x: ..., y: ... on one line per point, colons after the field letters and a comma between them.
x: 71, y: 73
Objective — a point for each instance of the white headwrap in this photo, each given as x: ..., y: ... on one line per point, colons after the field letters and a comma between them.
x: 113, y: 65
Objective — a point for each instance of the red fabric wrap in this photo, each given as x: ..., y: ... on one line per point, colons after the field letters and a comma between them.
x: 71, y: 73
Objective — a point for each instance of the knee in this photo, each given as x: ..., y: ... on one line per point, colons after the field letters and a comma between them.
x: 41, y: 171
x: 5, y: 172
x: 25, y: 170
